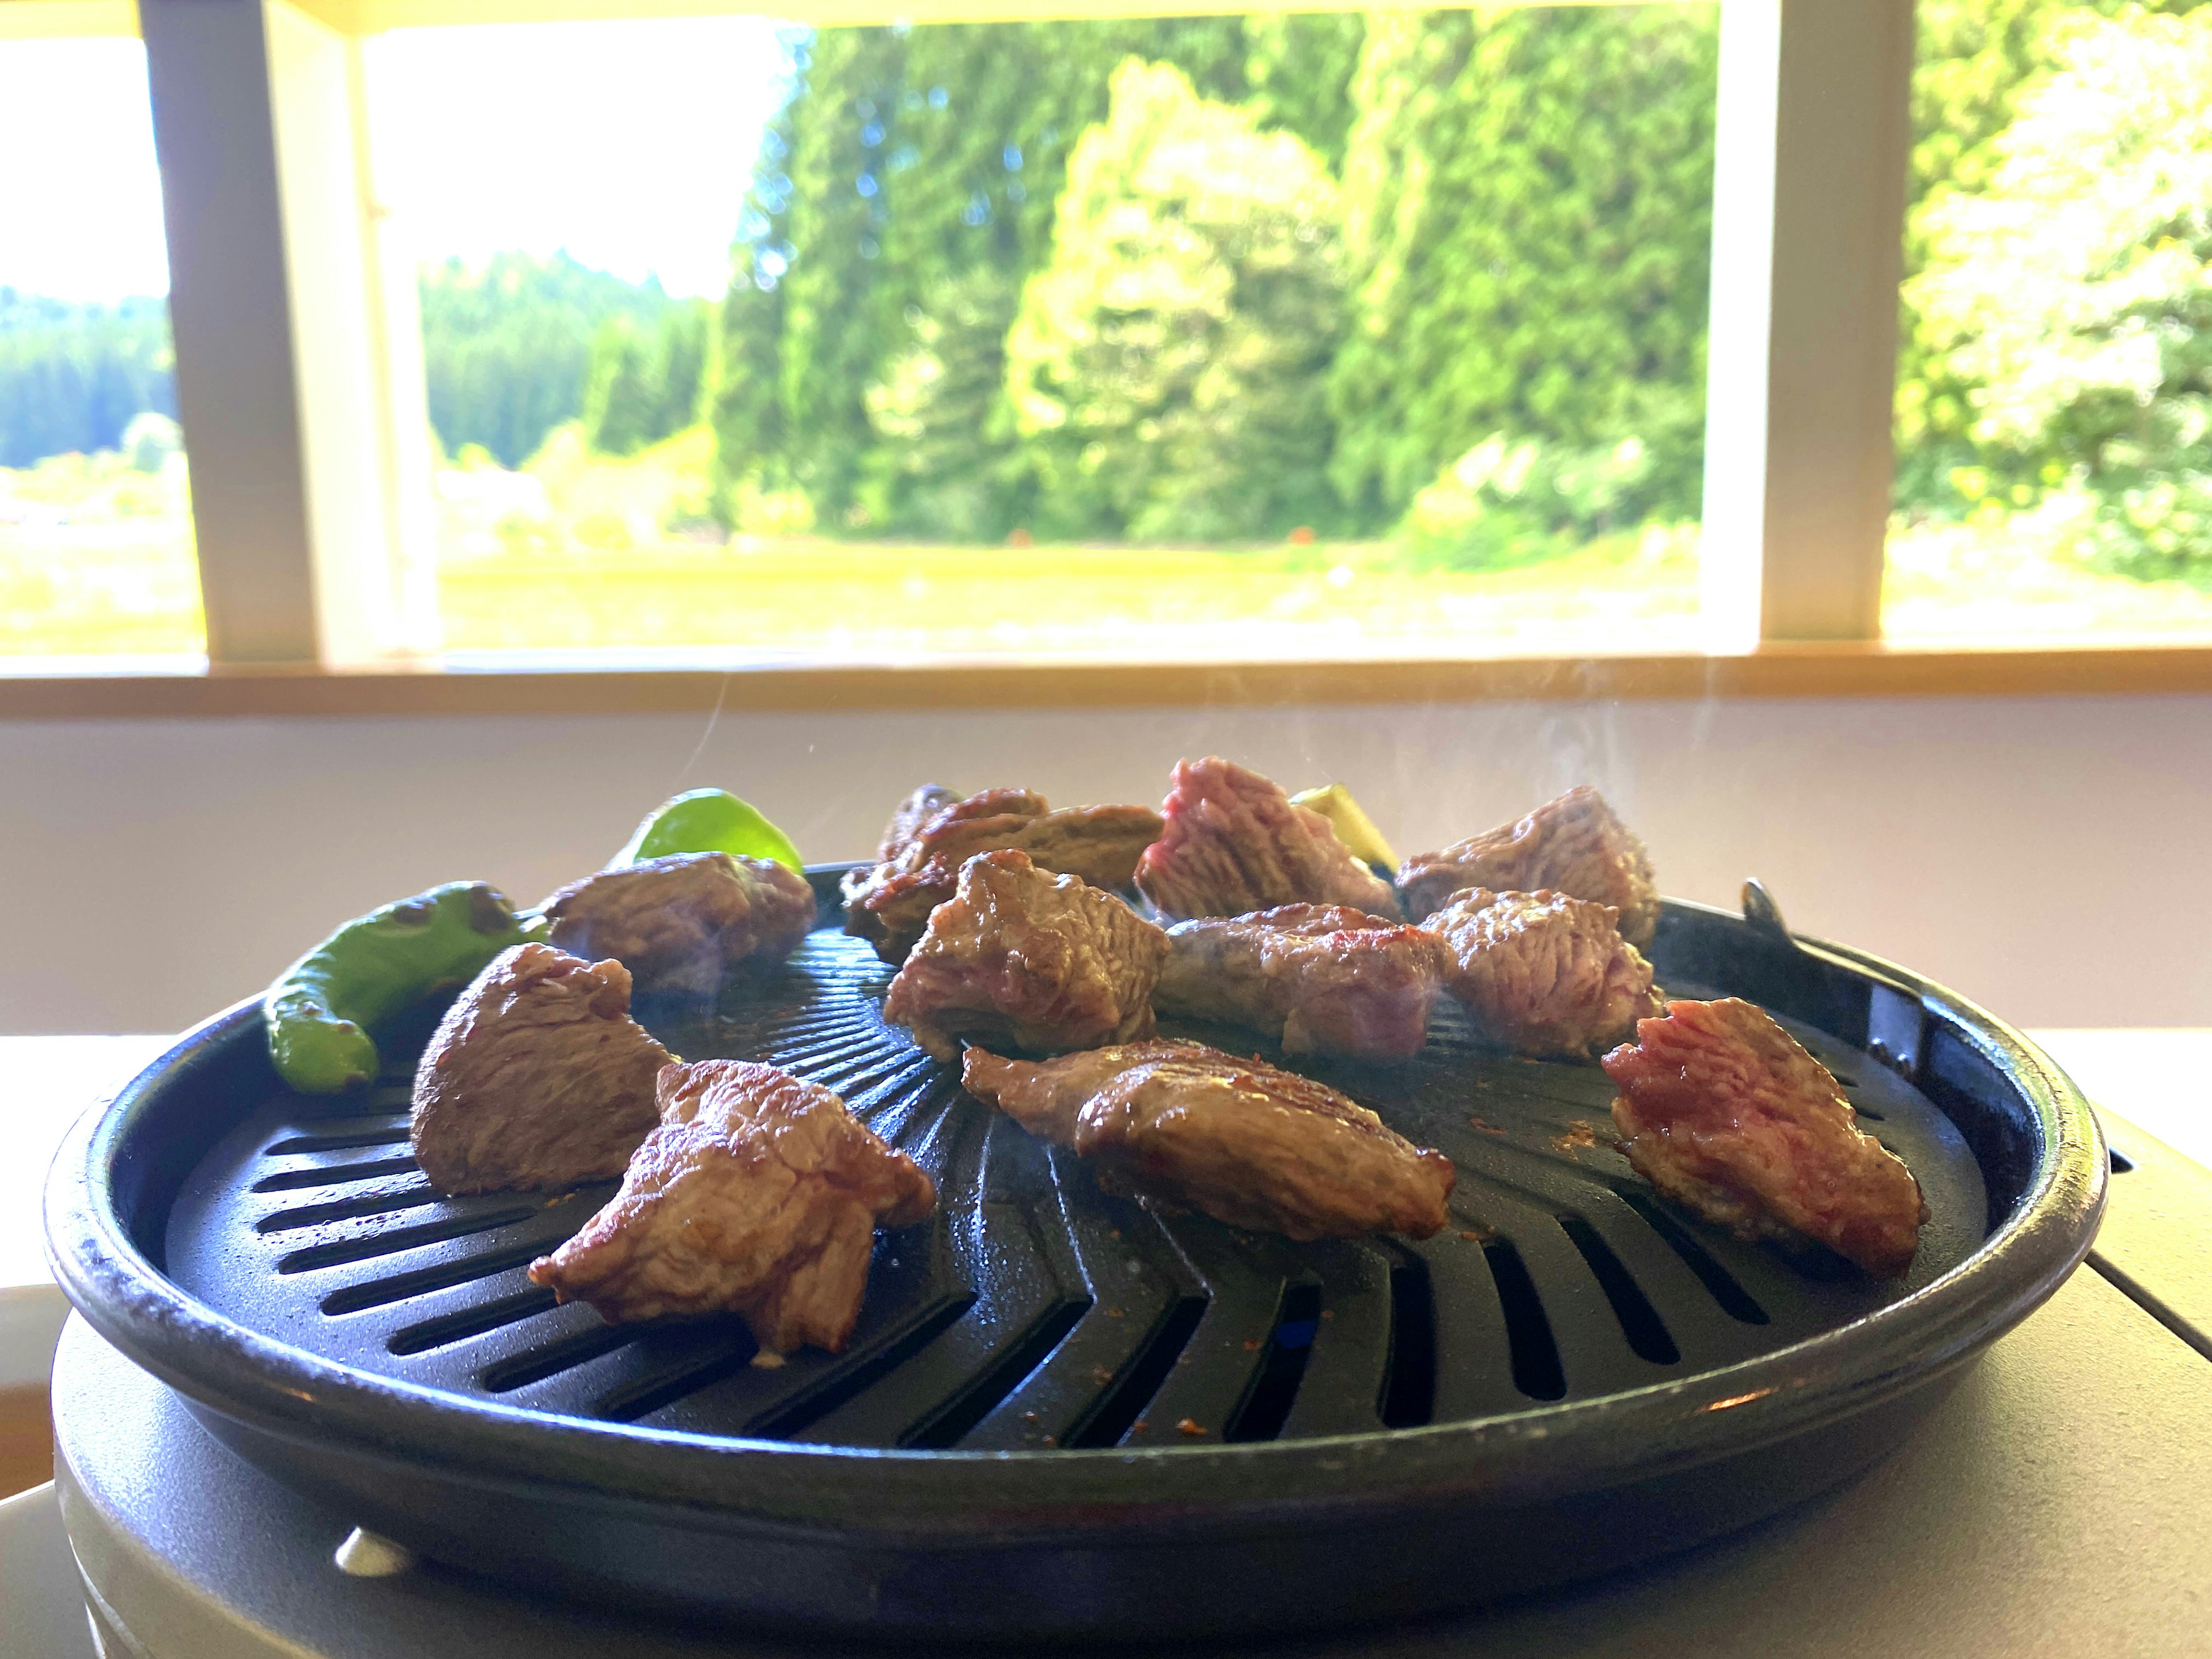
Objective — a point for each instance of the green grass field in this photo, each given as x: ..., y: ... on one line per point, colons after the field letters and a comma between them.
x: 582, y: 555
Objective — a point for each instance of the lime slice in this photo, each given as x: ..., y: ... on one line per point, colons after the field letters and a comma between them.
x: 708, y: 821
x: 1353, y: 827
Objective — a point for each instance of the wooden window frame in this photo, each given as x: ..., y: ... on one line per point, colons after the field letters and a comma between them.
x: 300, y: 384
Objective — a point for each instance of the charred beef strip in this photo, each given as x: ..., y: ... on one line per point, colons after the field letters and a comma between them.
x: 677, y: 922
x: 1541, y: 973
x: 1573, y: 845
x: 1018, y: 956
x: 909, y: 816
x: 1234, y: 843
x: 1725, y: 1112
x: 1321, y: 979
x: 759, y: 1195
x: 1238, y: 1139
x: 536, y: 1078
x: 889, y: 904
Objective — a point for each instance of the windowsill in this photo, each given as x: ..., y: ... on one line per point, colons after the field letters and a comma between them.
x: 1849, y: 669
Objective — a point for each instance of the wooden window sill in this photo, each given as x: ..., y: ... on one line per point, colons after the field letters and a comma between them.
x: 1845, y: 670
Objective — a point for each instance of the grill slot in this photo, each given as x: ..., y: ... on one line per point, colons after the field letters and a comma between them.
x: 1536, y: 1370
x: 348, y: 1209
x: 1117, y: 1410
x: 951, y: 1422
x: 1267, y: 1407
x: 553, y: 1357
x: 421, y: 1281
x: 1639, y: 1322
x: 1409, y: 1390
x: 792, y: 1417
x: 430, y: 1334
x: 397, y: 1136
x: 1733, y: 1299
x: 396, y: 1239
x: 334, y: 1174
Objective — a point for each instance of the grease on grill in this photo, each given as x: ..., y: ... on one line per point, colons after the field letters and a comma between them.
x: 1035, y: 1311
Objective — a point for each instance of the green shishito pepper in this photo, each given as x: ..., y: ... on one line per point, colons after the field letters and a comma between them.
x: 708, y: 821
x: 319, y: 1012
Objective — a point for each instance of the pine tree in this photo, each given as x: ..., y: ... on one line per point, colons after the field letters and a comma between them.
x: 907, y: 192
x: 1528, y: 210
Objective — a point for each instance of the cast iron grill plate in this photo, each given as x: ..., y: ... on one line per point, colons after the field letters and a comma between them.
x: 1034, y: 1314
x: 1033, y: 1310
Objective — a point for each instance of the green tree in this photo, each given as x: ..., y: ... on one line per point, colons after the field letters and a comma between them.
x: 1528, y: 210
x: 1168, y: 364
x: 1300, y: 70
x: 906, y: 191
x: 1975, y: 62
x: 645, y: 380
x: 73, y: 376
x: 2072, y: 292
x: 507, y: 345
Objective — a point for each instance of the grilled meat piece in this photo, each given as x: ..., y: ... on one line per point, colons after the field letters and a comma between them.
x: 676, y: 922
x: 1046, y: 962
x: 759, y: 1195
x: 1724, y: 1112
x: 1234, y: 843
x: 1236, y: 1138
x: 1573, y: 845
x: 536, y: 1078
x: 890, y: 905
x: 908, y: 819
x: 1321, y: 978
x: 1542, y: 973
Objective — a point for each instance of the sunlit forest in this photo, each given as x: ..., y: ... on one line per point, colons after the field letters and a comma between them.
x: 1391, y: 323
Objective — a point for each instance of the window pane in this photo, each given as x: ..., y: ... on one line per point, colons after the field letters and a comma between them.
x: 1329, y: 335
x: 95, y: 513
x: 2054, y: 479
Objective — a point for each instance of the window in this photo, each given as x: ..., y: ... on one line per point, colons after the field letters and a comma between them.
x: 1321, y: 335
x: 96, y: 515
x: 2054, y: 410
x: 1556, y: 331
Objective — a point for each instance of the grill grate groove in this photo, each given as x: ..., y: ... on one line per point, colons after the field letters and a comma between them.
x: 1034, y: 1310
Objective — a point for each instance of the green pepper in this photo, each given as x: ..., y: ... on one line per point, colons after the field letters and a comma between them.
x: 319, y: 1011
x: 708, y: 821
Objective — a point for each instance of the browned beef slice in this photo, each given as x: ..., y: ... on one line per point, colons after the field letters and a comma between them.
x: 890, y: 905
x: 1321, y: 979
x: 1046, y: 962
x: 677, y: 922
x: 537, y: 1077
x: 759, y: 1195
x: 1240, y: 1140
x: 1724, y: 1112
x: 1573, y: 845
x: 1233, y: 843
x: 1542, y: 973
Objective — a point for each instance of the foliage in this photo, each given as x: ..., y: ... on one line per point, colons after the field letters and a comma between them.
x: 902, y: 199
x: 2074, y: 291
x: 1529, y: 209
x: 72, y: 376
x: 1503, y: 503
x: 507, y: 345
x: 1169, y: 362
x: 647, y: 381
x: 1300, y: 68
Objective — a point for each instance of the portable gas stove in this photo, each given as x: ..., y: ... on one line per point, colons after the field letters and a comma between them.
x: 1062, y: 1415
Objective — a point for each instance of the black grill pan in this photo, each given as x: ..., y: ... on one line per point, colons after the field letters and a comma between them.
x: 1063, y: 1413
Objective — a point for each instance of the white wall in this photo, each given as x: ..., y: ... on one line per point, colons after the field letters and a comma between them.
x: 2047, y: 856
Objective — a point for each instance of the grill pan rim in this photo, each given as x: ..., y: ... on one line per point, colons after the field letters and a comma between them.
x: 911, y: 1498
